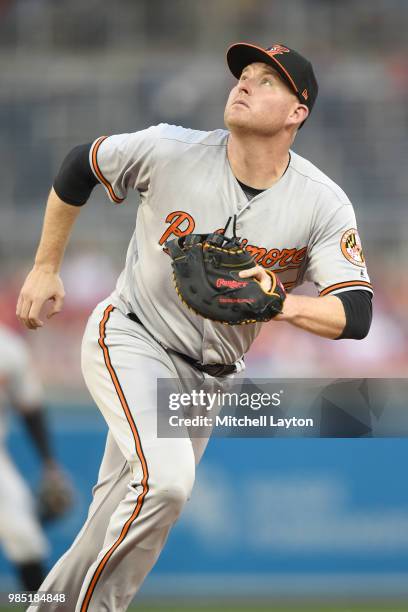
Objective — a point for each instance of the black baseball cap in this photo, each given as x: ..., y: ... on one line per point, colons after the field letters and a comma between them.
x: 295, y: 69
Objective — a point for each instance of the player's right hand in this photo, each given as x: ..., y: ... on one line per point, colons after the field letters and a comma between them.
x: 40, y: 287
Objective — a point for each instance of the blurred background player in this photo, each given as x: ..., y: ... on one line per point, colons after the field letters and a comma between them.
x: 21, y: 535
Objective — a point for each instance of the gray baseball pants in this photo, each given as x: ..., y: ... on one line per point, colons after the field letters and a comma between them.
x: 144, y: 481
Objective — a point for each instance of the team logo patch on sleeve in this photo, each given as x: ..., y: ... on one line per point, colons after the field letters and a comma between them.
x: 351, y: 247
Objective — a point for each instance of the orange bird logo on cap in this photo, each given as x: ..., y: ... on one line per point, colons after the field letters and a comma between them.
x: 277, y: 50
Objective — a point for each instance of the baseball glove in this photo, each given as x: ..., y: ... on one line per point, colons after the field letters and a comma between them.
x: 55, y: 496
x: 206, y: 275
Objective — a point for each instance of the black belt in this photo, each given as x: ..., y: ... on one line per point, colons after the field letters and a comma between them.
x: 213, y: 369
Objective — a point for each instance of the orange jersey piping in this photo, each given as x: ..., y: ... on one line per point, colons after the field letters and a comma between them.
x: 99, y: 174
x: 362, y: 284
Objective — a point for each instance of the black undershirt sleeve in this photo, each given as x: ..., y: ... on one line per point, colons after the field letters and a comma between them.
x: 75, y: 179
x: 36, y: 425
x: 359, y: 313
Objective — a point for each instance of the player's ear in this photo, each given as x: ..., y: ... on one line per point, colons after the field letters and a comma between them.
x: 299, y: 114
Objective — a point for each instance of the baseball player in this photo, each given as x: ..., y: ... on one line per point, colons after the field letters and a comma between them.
x: 21, y: 534
x: 294, y: 220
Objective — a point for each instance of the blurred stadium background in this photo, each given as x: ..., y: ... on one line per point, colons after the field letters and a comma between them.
x: 312, y: 519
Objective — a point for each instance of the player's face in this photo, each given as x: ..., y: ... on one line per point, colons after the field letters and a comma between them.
x: 261, y: 102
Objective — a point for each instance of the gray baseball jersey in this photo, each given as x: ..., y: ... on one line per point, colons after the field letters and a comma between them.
x: 303, y: 227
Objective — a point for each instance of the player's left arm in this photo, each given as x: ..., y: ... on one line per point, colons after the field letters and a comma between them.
x: 347, y: 315
x: 321, y: 316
